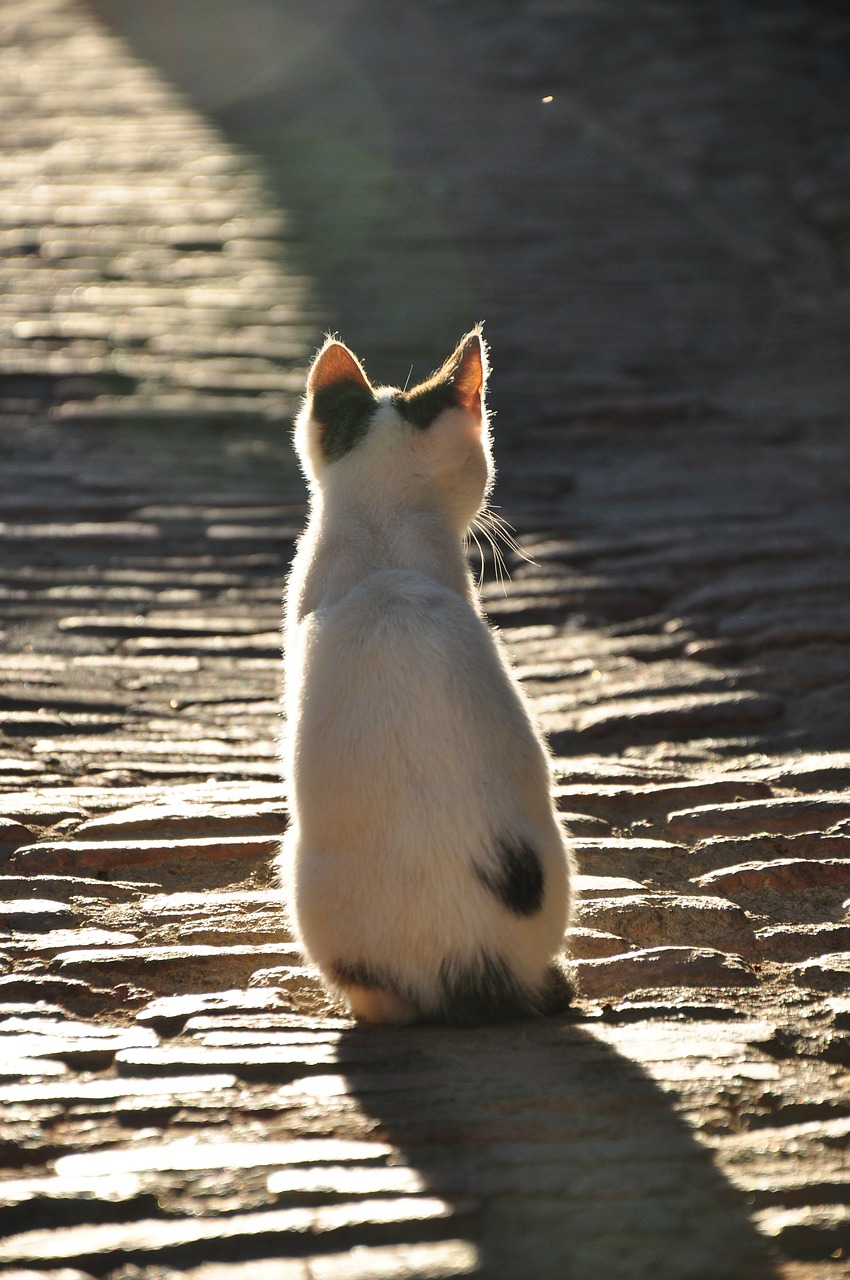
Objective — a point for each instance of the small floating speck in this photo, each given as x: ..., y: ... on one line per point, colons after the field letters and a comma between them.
x: 549, y: 98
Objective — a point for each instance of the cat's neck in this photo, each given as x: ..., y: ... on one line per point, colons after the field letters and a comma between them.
x: 352, y: 537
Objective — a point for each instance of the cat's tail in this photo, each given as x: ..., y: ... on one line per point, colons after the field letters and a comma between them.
x: 489, y: 992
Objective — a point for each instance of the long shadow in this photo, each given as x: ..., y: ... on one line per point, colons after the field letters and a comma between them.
x: 566, y: 1160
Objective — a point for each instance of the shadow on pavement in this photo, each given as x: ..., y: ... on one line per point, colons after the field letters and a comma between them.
x: 573, y: 1159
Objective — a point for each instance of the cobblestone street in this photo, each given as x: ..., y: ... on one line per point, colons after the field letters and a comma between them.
x: 649, y: 207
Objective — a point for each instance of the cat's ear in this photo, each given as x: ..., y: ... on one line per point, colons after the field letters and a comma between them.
x: 467, y: 372
x: 459, y: 384
x: 337, y: 408
x: 333, y: 365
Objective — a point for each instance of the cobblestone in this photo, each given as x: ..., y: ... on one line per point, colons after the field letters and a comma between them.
x: 648, y: 216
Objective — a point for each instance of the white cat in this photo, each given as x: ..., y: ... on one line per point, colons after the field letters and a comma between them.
x: 425, y: 868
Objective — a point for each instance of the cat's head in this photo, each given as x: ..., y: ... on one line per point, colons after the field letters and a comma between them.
x: 428, y: 447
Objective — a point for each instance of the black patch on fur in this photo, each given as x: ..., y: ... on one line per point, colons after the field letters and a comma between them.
x: 558, y: 993
x: 345, y: 410
x: 356, y: 974
x: 487, y: 991
x: 423, y: 404
x: 518, y: 880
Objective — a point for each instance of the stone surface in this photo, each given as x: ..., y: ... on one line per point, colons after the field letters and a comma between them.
x: 186, y: 209
x: 661, y: 967
x: 827, y: 973
x: 670, y: 920
x: 784, y: 875
x: 799, y: 941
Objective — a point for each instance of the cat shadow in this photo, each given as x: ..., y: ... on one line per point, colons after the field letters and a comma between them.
x: 559, y: 1156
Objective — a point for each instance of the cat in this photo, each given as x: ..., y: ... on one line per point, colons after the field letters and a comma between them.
x: 426, y: 873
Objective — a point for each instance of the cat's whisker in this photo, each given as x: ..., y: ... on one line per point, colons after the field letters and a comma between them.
x: 506, y: 532
x: 480, y: 579
x: 500, y: 568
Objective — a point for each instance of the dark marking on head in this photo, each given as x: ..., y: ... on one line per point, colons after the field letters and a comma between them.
x: 516, y: 879
x: 424, y: 403
x: 459, y: 384
x: 344, y: 411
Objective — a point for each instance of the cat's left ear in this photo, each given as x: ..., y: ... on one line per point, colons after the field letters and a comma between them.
x: 466, y: 371
x: 333, y: 365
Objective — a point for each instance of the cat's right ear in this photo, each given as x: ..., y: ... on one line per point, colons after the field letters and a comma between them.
x: 338, y: 406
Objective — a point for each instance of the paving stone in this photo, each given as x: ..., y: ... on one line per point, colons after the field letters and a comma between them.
x: 592, y: 944
x: 605, y: 886
x: 660, y: 967
x: 620, y: 801
x: 87, y: 1048
x: 680, y: 480
x: 166, y: 969
x: 69, y: 992
x: 817, y: 1231
x: 169, y: 1014
x: 281, y: 1228
x: 12, y: 832
x: 18, y: 1066
x: 785, y: 815
x: 173, y: 1089
x: 726, y: 851
x: 33, y: 914
x: 612, y: 854
x: 436, y: 1261
x: 191, y: 1155
x: 67, y: 888
x: 675, y: 714
x: 826, y: 973
x: 783, y: 875
x: 189, y: 822
x: 839, y: 1007
x: 56, y: 940
x: 57, y: 856
x: 671, y: 920
x: 800, y: 941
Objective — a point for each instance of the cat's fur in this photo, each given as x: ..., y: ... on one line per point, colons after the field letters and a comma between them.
x: 426, y: 872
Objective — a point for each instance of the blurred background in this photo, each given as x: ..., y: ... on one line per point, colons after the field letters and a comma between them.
x: 649, y: 206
